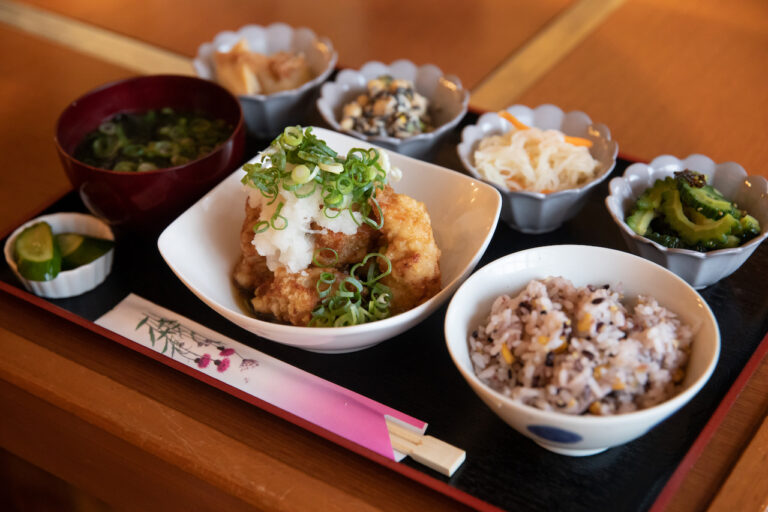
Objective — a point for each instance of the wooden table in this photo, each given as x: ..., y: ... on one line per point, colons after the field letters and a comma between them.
x: 666, y: 78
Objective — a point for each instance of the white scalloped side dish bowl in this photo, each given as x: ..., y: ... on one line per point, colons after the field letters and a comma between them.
x: 536, y: 212
x: 567, y: 434
x: 700, y: 269
x: 448, y: 101
x: 267, y: 114
x: 68, y: 283
x: 202, y: 247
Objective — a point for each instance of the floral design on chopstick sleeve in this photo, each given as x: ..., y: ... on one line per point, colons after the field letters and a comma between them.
x: 191, y: 345
x: 262, y: 380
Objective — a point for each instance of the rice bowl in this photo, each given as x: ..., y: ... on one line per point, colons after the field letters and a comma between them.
x: 576, y: 434
x: 580, y: 350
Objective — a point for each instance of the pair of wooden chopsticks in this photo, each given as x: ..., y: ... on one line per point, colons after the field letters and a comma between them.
x: 430, y: 451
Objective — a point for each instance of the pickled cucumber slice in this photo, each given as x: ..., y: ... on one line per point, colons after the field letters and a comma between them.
x: 78, y: 250
x: 37, y: 255
x: 690, y: 232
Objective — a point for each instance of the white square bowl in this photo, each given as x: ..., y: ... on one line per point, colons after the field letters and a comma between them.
x: 202, y: 247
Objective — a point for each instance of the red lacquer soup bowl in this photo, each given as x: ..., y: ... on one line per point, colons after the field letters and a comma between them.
x: 148, y: 199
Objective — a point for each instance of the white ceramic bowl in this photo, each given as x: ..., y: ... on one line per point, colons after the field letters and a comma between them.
x: 202, y: 247
x: 535, y: 212
x: 700, y: 269
x: 266, y: 115
x: 68, y: 283
x: 563, y: 433
x: 447, y: 98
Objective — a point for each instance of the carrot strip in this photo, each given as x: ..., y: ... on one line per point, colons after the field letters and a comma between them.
x: 576, y: 141
x: 512, y: 119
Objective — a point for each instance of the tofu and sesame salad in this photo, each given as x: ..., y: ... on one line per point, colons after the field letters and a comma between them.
x: 391, y: 106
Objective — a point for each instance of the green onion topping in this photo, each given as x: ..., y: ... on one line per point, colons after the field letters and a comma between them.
x: 354, y: 301
x: 318, y: 253
x: 346, y: 183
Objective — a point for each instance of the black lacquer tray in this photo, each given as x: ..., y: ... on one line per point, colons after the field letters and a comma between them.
x: 503, y: 468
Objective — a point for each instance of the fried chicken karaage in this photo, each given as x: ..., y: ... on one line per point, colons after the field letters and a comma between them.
x: 408, y: 242
x: 405, y: 238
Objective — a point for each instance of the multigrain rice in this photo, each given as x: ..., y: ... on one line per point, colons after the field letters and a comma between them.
x: 580, y: 350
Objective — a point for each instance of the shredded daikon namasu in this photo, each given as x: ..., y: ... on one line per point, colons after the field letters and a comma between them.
x: 535, y: 160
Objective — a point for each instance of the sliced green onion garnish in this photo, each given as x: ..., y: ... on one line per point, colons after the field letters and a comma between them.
x: 372, y: 276
x: 124, y: 166
x: 301, y: 174
x: 372, y: 222
x: 133, y: 150
x: 325, y: 283
x: 276, y: 216
x: 178, y: 132
x: 305, y: 190
x: 292, y: 137
x: 334, y: 198
x: 200, y: 125
x: 335, y: 211
x: 108, y: 128
x: 146, y: 166
x: 104, y: 147
x: 315, y: 158
x: 162, y: 148
x: 261, y: 226
x: 319, y: 253
x: 354, y: 301
x: 278, y: 159
x: 334, y: 167
x: 347, y: 183
x: 345, y: 291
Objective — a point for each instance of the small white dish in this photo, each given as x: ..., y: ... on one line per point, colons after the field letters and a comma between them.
x: 563, y: 433
x: 202, y: 247
x: 68, y: 283
x: 536, y: 212
x: 267, y: 114
x: 447, y: 99
x: 700, y: 269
